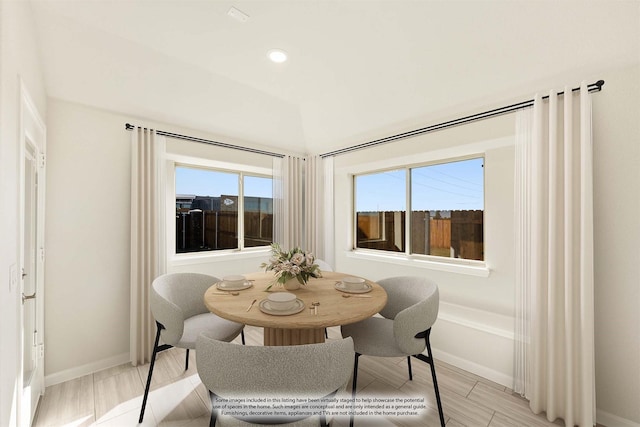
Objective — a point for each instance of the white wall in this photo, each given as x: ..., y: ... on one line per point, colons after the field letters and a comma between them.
x: 18, y: 61
x: 616, y: 154
x: 87, y: 274
x: 475, y: 326
x: 88, y: 241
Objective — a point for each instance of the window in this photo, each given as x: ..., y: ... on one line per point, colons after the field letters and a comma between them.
x: 208, y: 207
x: 380, y: 210
x: 446, y: 202
x: 258, y: 211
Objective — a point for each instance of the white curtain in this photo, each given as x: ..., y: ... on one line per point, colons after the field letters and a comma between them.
x: 319, y: 207
x: 288, y: 196
x: 147, y: 236
x: 554, y: 365
x: 328, y: 212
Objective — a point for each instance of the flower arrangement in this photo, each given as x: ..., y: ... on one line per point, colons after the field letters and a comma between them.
x: 291, y: 264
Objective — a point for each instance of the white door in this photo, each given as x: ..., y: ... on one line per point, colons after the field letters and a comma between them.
x: 31, y: 261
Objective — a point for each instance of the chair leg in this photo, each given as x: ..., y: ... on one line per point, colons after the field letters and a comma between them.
x: 153, y: 361
x: 214, y: 412
x: 186, y: 361
x: 242, y: 336
x: 409, y: 364
x: 353, y: 388
x: 435, y: 381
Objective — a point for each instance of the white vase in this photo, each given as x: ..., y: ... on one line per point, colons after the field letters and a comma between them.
x: 292, y: 284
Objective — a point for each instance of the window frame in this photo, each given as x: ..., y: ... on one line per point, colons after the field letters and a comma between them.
x: 467, y: 266
x: 187, y: 258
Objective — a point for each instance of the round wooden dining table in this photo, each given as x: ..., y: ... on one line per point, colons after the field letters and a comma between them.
x: 306, y: 326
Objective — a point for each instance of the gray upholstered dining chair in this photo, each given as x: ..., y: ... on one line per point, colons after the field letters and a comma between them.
x: 177, y: 304
x: 310, y: 371
x: 403, y: 329
x: 324, y: 265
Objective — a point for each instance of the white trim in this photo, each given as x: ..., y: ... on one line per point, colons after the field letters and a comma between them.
x: 470, y: 150
x: 452, y: 266
x: 35, y: 123
x: 606, y: 419
x: 445, y: 155
x: 474, y: 368
x: 473, y: 324
x: 89, y: 368
x: 478, y: 327
x: 172, y: 160
x: 223, y: 166
x: 217, y: 256
x: 475, y: 321
x: 33, y: 133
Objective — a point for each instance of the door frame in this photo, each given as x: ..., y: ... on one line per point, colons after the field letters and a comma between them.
x: 32, y: 134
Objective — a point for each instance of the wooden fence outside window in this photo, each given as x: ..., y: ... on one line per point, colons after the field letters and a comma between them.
x: 460, y: 236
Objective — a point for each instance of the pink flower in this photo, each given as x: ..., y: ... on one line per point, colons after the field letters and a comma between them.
x: 298, y: 258
x: 294, y: 263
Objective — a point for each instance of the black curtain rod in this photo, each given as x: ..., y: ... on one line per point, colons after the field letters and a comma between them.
x: 128, y: 126
x: 593, y: 87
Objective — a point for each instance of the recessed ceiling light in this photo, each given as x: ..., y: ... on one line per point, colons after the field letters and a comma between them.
x: 277, y: 55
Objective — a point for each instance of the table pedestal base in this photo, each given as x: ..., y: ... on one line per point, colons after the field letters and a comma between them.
x: 279, y: 336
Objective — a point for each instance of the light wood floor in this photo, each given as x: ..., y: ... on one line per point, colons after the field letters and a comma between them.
x: 113, y: 397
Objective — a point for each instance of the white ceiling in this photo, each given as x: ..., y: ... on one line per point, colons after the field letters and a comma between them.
x: 358, y: 69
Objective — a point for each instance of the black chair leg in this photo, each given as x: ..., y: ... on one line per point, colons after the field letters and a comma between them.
x: 153, y: 361
x: 409, y: 364
x: 353, y: 388
x: 214, y: 412
x: 435, y: 381
x: 242, y: 336
x: 186, y: 361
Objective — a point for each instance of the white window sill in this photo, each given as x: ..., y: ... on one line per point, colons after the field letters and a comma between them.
x: 468, y: 267
x: 217, y: 256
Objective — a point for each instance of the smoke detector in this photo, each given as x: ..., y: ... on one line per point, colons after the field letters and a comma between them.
x: 238, y: 15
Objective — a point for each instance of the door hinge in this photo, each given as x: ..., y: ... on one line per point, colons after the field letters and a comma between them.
x: 42, y: 160
x: 42, y: 254
x: 27, y: 297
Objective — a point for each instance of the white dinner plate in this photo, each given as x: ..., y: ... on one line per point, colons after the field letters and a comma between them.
x: 223, y: 287
x: 340, y: 286
x: 265, y: 307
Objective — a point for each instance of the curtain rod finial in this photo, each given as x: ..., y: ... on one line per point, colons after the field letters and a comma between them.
x: 600, y: 83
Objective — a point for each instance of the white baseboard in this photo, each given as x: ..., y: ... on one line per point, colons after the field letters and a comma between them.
x: 89, y: 368
x: 474, y: 368
x: 609, y: 420
x: 603, y: 418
